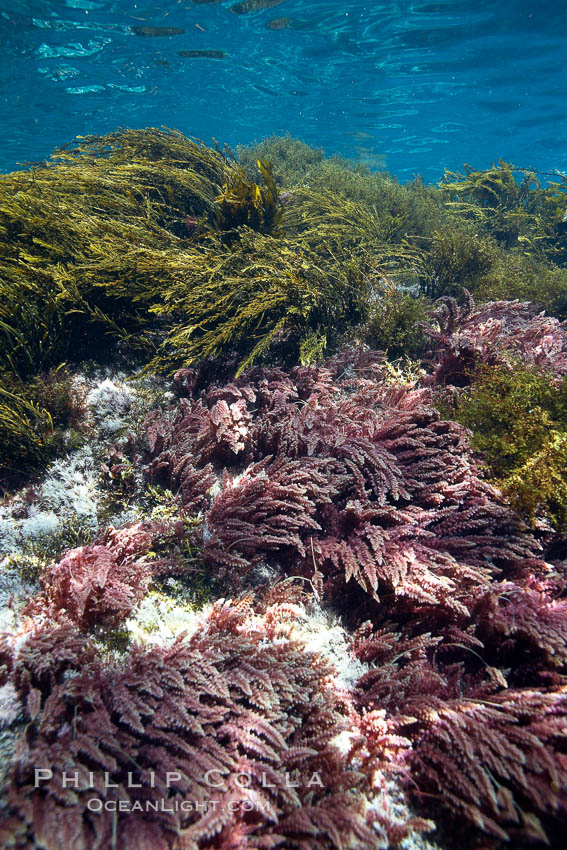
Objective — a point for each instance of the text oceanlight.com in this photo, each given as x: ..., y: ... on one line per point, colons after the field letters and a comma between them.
x: 95, y: 804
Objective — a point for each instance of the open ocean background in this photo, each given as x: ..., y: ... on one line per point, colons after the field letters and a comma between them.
x: 413, y: 87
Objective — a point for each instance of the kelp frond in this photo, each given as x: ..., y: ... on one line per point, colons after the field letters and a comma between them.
x: 512, y: 205
x: 243, y: 202
x: 73, y: 225
x: 24, y: 427
x: 259, y: 289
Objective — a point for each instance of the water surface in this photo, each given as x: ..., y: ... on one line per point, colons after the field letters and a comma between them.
x: 415, y: 87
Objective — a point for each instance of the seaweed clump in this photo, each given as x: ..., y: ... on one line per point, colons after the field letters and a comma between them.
x: 519, y: 422
x: 39, y: 418
x: 180, y: 253
x: 525, y: 225
x: 73, y: 226
x: 512, y: 210
x: 501, y: 369
x: 198, y: 741
x: 73, y: 229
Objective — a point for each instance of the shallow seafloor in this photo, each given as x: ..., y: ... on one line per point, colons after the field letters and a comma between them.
x: 283, y: 446
x: 69, y: 502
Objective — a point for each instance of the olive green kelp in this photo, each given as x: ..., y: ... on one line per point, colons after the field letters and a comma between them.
x: 175, y: 248
x: 72, y: 231
x: 172, y: 251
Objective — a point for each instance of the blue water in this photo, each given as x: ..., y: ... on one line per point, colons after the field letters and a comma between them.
x: 415, y: 87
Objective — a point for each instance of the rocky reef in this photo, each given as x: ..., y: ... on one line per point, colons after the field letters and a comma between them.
x: 282, y: 532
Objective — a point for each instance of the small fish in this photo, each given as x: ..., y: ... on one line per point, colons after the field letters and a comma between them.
x: 202, y: 54
x: 155, y: 32
x: 280, y: 24
x: 295, y: 23
x: 253, y: 6
x: 357, y: 134
x: 266, y: 90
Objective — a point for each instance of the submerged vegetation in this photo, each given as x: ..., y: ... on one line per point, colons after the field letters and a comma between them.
x: 39, y: 418
x: 519, y: 421
x: 182, y: 251
x: 368, y: 399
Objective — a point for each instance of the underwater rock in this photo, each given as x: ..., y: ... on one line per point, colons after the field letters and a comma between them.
x: 328, y: 485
